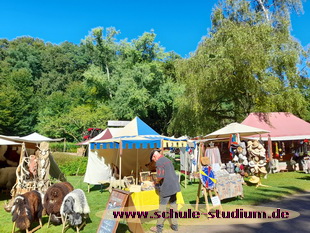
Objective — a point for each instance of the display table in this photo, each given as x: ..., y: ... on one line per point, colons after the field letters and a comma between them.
x: 149, y: 200
x: 228, y: 185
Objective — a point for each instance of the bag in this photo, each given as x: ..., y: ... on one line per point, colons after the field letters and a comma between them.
x: 205, y: 161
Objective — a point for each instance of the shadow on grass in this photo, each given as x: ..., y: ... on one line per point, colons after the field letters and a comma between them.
x: 304, y: 178
x: 122, y: 227
x: 101, y: 188
x: 4, y: 196
x: 293, y: 188
x: 266, y: 195
x: 45, y: 221
x: 262, y: 195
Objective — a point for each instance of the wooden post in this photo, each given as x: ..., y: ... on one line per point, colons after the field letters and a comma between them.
x: 64, y: 144
x: 137, y: 168
x: 120, y: 161
x: 162, y: 146
x: 17, y: 189
x: 64, y: 222
x: 206, y: 198
x: 198, y: 195
x: 185, y: 180
x: 49, y: 220
x: 14, y: 224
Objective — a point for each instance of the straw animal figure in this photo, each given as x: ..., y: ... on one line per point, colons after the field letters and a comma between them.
x: 75, y: 209
x: 33, y: 166
x: 7, y: 177
x: 26, y: 209
x: 53, y: 200
x: 115, y: 171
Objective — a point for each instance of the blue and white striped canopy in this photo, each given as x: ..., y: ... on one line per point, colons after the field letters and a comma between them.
x: 137, y: 135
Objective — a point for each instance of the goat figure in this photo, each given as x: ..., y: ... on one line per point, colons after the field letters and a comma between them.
x: 26, y: 209
x: 53, y: 199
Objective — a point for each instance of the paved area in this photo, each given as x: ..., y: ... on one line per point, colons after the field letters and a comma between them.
x: 300, y: 224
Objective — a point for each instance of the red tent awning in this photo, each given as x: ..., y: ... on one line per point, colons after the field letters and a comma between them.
x: 282, y: 125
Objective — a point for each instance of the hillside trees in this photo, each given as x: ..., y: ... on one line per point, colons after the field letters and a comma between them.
x: 248, y: 62
x: 61, y: 90
x: 20, y: 67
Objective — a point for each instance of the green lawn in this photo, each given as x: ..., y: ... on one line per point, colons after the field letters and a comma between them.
x: 281, y: 184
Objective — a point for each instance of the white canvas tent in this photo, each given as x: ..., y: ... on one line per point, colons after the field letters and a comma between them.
x: 98, y: 167
x: 235, y: 128
x: 4, y: 142
x: 31, y: 138
x: 37, y: 138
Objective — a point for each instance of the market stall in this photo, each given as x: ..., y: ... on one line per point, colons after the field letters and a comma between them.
x: 27, y: 166
x: 228, y: 176
x: 130, y: 151
x: 288, y: 140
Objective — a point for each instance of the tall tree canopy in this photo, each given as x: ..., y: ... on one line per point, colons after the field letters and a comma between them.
x: 249, y: 62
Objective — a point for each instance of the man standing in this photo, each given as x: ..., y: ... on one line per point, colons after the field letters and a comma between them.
x: 168, y: 187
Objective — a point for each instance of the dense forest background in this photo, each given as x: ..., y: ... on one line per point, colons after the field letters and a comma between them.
x: 248, y: 62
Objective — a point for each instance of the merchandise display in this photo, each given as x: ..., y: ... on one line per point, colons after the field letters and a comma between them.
x: 147, y: 185
x: 228, y: 185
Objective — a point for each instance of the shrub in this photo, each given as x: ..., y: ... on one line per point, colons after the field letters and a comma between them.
x: 176, y: 164
x: 74, y: 167
x: 64, y: 147
x: 70, y: 164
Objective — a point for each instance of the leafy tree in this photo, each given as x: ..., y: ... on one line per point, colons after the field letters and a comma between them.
x: 25, y: 52
x: 62, y: 64
x: 20, y: 108
x: 246, y: 64
x: 133, y: 76
x: 71, y: 124
x: 102, y: 49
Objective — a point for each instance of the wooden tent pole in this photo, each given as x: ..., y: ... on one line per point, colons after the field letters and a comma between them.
x: 137, y: 172
x: 120, y: 160
x: 199, y: 168
x: 185, y: 180
x: 16, y: 189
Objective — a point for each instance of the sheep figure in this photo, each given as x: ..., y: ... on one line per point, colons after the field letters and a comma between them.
x: 26, y: 209
x: 53, y: 200
x: 75, y: 207
x: 7, y: 177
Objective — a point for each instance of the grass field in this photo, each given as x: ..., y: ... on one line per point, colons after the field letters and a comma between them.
x: 281, y: 184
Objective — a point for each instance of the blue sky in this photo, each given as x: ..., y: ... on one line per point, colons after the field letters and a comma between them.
x: 179, y: 25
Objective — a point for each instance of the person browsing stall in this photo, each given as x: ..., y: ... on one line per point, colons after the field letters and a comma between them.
x: 168, y: 186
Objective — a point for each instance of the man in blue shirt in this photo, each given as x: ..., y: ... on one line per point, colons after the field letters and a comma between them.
x: 168, y: 186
